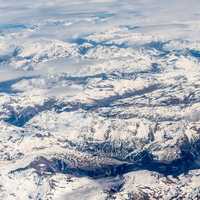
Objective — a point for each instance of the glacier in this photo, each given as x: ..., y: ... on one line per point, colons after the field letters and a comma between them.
x: 99, y: 99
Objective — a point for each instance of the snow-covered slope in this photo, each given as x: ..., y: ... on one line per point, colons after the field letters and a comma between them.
x: 99, y: 99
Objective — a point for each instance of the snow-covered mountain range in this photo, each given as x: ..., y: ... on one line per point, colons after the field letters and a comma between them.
x: 99, y: 99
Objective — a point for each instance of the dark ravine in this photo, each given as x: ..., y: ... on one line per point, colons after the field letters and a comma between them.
x: 21, y: 118
x: 145, y: 161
